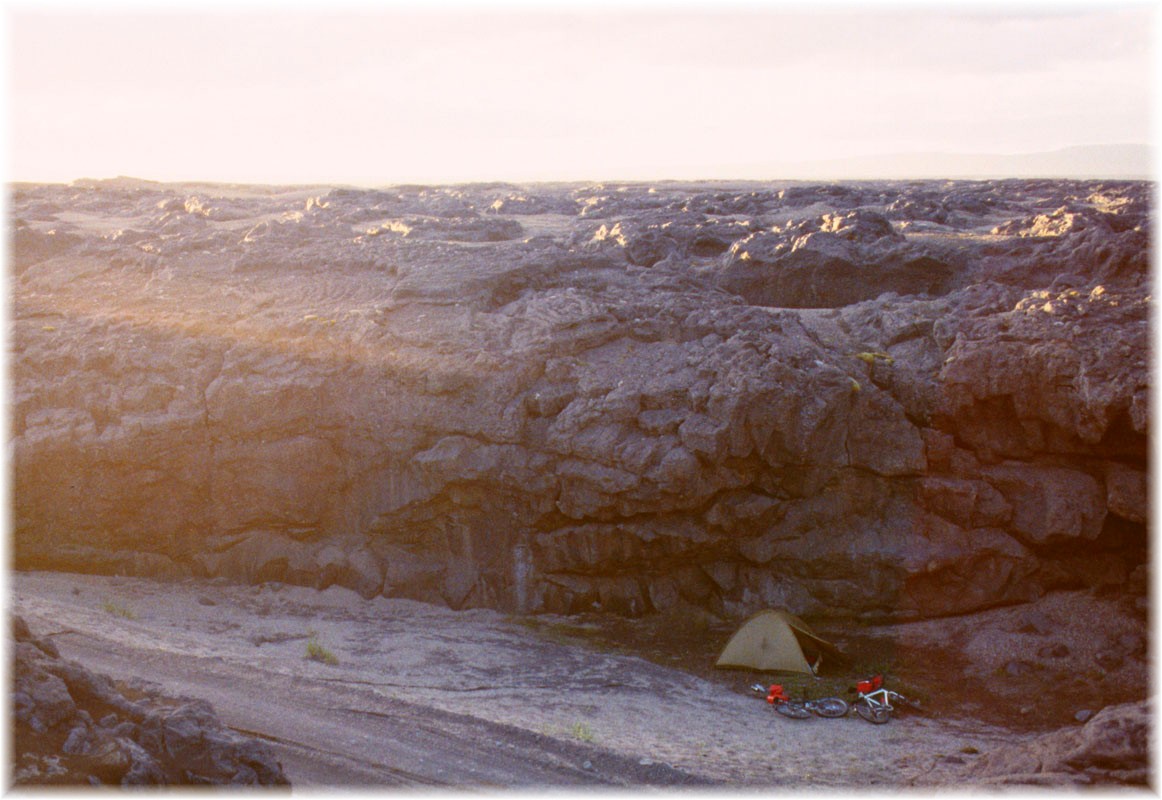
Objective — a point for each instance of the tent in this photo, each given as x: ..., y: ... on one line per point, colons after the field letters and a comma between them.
x: 775, y: 641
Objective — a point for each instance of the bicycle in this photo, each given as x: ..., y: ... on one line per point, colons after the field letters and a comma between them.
x: 874, y: 702
x: 802, y: 709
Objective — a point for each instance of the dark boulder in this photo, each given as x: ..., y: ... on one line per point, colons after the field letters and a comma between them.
x: 1111, y: 748
x: 834, y: 260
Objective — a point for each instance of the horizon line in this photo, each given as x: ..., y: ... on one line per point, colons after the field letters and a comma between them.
x: 1139, y: 166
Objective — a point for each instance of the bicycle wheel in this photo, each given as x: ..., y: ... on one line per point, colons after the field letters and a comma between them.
x: 792, y: 710
x: 877, y: 715
x: 830, y: 707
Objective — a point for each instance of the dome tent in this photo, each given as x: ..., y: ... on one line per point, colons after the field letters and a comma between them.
x: 775, y: 641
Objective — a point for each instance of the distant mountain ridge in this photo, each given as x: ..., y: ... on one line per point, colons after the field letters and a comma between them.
x: 1133, y: 161
x: 1113, y: 161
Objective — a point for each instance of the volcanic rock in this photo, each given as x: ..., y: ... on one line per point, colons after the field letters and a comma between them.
x: 1112, y: 747
x: 834, y: 260
x: 560, y: 398
x: 151, y: 740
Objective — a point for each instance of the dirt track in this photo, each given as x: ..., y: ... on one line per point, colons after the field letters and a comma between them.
x: 330, y: 734
x: 423, y: 696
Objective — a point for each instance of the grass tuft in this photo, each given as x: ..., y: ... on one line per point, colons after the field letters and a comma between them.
x: 317, y: 652
x: 871, y: 357
x: 581, y: 732
x: 118, y: 610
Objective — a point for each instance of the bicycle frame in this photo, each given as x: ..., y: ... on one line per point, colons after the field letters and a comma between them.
x: 874, y: 701
x: 880, y: 698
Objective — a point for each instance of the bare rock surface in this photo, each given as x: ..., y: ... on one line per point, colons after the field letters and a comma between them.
x: 348, y: 691
x: 877, y: 400
x: 1111, y: 747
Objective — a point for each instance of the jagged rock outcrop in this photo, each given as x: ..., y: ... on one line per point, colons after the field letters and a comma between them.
x: 1111, y: 748
x: 834, y: 260
x: 616, y: 411
x: 71, y: 726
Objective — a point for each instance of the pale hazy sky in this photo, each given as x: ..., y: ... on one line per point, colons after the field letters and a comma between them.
x: 385, y: 93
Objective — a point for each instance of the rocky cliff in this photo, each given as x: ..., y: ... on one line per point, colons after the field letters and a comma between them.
x: 884, y: 400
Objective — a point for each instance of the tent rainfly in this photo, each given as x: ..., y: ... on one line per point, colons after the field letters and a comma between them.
x: 775, y: 641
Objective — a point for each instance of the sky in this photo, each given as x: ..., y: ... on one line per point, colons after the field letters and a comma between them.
x: 375, y: 93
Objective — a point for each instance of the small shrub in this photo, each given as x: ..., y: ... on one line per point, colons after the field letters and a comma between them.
x: 317, y: 652
x: 118, y: 610
x: 581, y: 732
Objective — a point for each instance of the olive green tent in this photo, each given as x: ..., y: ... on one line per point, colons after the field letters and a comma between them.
x: 775, y: 641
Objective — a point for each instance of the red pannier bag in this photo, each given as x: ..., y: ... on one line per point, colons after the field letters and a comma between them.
x: 776, y: 694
